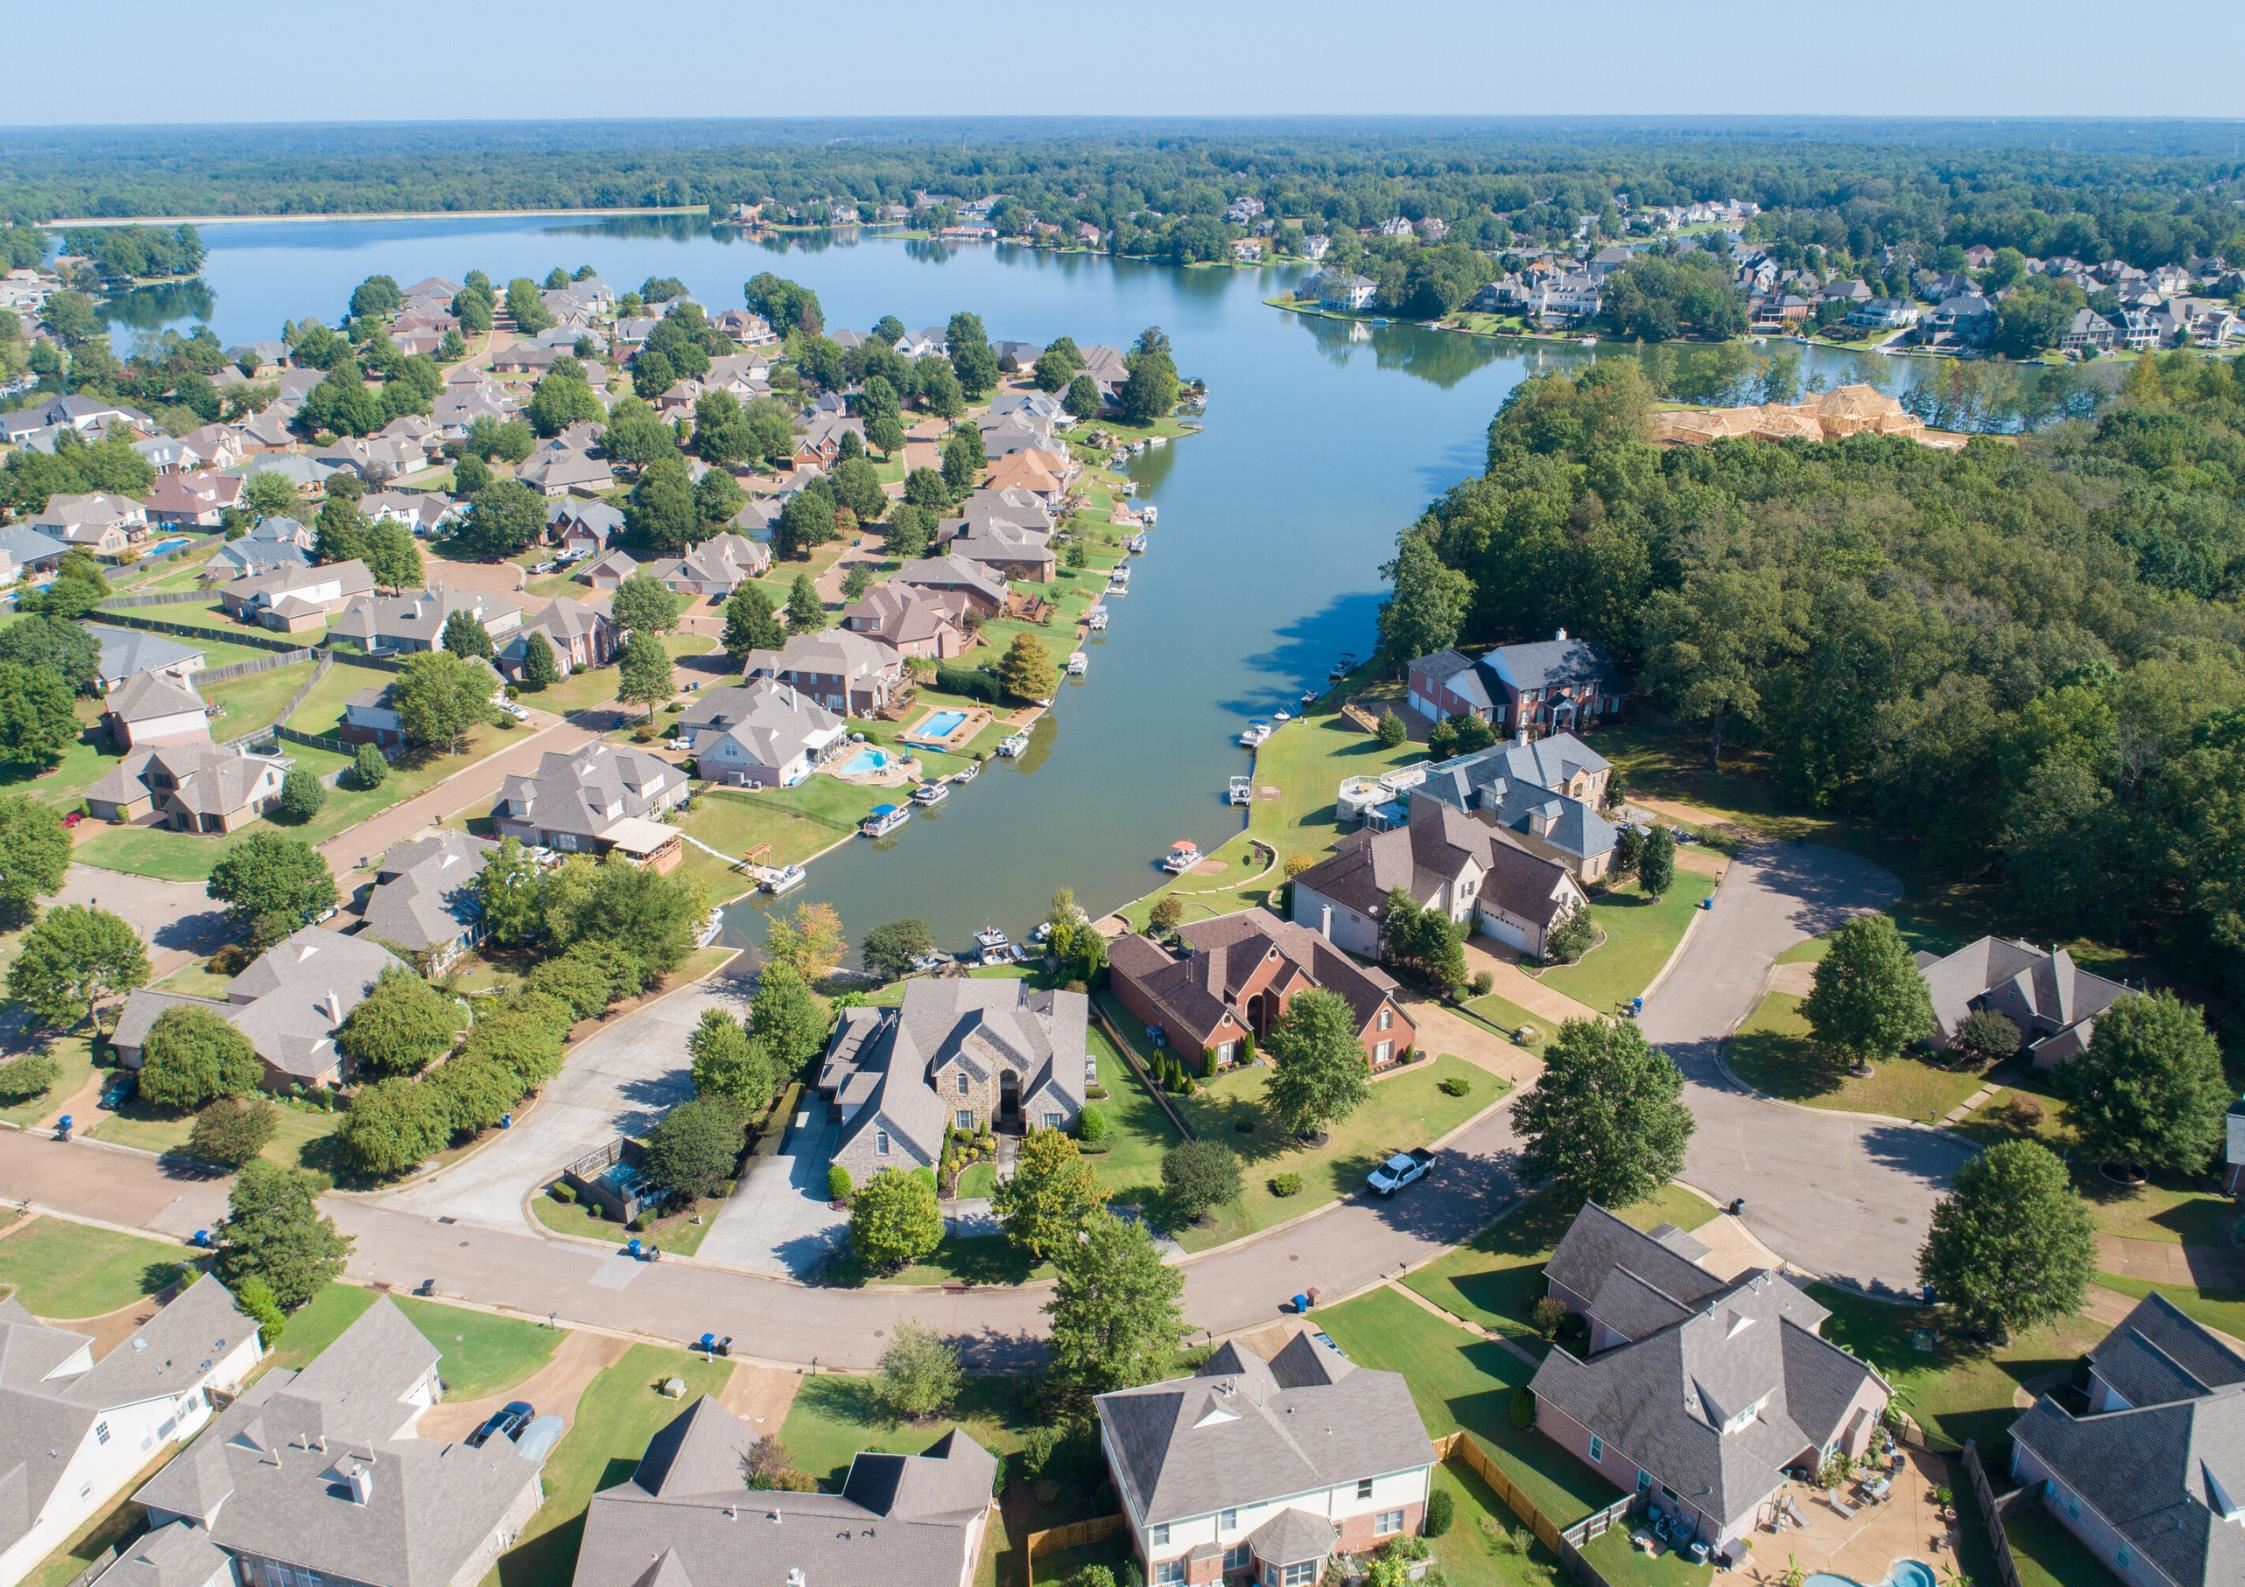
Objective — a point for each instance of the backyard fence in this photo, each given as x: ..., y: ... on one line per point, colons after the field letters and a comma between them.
x: 326, y: 741
x: 174, y: 598
x: 1059, y: 1539
x: 1130, y: 1057
x: 1567, y: 1544
x: 243, y: 669
x: 1991, y: 1512
x: 202, y: 631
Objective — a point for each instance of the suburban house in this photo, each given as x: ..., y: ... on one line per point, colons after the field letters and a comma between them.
x: 318, y: 1475
x: 193, y: 501
x: 422, y: 512
x: 687, y: 1515
x: 846, y: 672
x: 135, y: 652
x: 152, y: 708
x: 75, y: 1431
x: 274, y: 542
x: 600, y: 799
x: 25, y: 551
x: 555, y: 470
x: 911, y: 620
x: 742, y: 326
x: 1544, y: 792
x: 1444, y: 859
x: 975, y: 1055
x: 579, y: 636
x: 289, y: 1003
x: 1233, y: 976
x: 715, y: 568
x: 1342, y: 289
x: 370, y: 715
x: 422, y: 906
x: 1700, y: 1394
x: 762, y: 734
x: 414, y: 621
x: 188, y: 784
x: 2052, y: 1001
x: 1264, y: 1471
x: 1548, y: 686
x: 609, y: 569
x: 979, y: 587
x: 294, y: 599
x: 107, y: 525
x: 2145, y: 1474
x: 87, y: 415
x: 583, y: 527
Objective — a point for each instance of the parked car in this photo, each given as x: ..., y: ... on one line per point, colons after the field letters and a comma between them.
x: 72, y: 818
x: 119, y: 1089
x: 680, y: 744
x: 1401, y: 1169
x: 507, y: 1422
x: 544, y: 567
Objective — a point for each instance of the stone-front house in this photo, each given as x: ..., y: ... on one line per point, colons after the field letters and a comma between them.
x: 579, y: 636
x: 75, y: 1431
x: 1550, y: 686
x: 1265, y: 1471
x: 189, y: 785
x: 848, y: 673
x: 1546, y: 793
x: 1698, y: 1394
x: 965, y: 1054
x: 2148, y: 1476
x: 2049, y: 999
x: 1444, y: 859
x: 1237, y: 974
x: 321, y: 1475
x: 910, y: 619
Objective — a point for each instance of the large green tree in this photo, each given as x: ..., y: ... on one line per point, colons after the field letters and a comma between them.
x: 1606, y: 1121
x: 895, y: 1218
x: 271, y: 885
x: 400, y: 1027
x: 37, y: 719
x: 2150, y: 1092
x: 643, y: 676
x: 727, y: 1062
x: 1868, y: 1000
x: 1052, y: 1193
x: 394, y: 1126
x: 73, y: 958
x: 1116, y: 1315
x: 34, y: 853
x: 190, y: 1056
x: 2011, y: 1246
x: 440, y: 698
x: 695, y: 1147
x: 274, y: 1232
x: 1322, y: 1073
x: 750, y: 624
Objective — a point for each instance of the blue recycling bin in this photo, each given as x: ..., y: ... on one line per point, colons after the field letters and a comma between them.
x: 62, y: 1127
x: 202, y: 1238
x: 708, y: 1345
x: 506, y: 1121
x: 633, y: 1248
x: 1301, y: 1304
x: 1636, y: 1005
x: 1708, y: 902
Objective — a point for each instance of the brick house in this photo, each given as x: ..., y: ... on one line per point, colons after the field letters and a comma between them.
x: 1550, y: 686
x: 1237, y: 974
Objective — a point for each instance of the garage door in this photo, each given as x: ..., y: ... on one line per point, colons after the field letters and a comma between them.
x: 1511, y: 934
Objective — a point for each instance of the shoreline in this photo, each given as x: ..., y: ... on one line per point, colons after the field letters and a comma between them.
x: 108, y: 222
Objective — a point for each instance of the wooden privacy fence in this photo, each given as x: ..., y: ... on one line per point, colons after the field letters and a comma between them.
x: 202, y: 631
x: 242, y: 669
x: 175, y: 598
x: 1059, y: 1539
x: 1465, y: 1450
x: 1991, y: 1511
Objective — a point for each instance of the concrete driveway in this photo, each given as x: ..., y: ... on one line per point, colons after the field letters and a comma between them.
x: 1845, y: 1195
x: 177, y: 920
x: 777, y: 1220
x: 617, y: 1082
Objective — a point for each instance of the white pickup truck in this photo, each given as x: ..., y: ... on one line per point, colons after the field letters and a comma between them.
x: 1400, y: 1170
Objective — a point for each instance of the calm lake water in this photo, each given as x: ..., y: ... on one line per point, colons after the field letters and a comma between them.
x: 1323, y: 439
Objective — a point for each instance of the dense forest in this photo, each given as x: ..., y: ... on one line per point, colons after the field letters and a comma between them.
x: 2150, y: 194
x: 2021, y: 657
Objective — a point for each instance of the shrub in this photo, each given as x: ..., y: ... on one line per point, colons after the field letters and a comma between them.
x: 1456, y: 1085
x: 1198, y: 1176
x: 1570, y: 939
x: 255, y: 1297
x: 1286, y: 1184
x: 562, y: 1191
x: 1549, y: 1314
x: 22, y: 1079
x: 232, y: 1130
x: 369, y: 767
x: 1036, y: 1449
x: 1482, y: 983
x: 638, y: 1223
x: 1441, y: 1511
x: 1522, y: 1411
x: 1092, y: 1576
x: 1091, y: 1127
x: 302, y: 795
x: 971, y: 682
x: 1391, y: 732
x: 838, y: 1186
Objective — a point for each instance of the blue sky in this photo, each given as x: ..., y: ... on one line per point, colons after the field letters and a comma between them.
x: 322, y: 60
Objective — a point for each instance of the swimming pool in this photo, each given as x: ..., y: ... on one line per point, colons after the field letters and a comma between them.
x: 164, y: 548
x: 1906, y: 1573
x: 864, y: 763
x: 941, y: 725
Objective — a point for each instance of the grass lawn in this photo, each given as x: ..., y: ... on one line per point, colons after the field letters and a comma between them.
x: 2048, y: 1555
x: 64, y: 1270
x: 978, y: 1181
x: 2217, y: 1309
x: 1405, y: 1109
x: 86, y: 760
x: 1138, y: 1131
x: 482, y: 1354
x: 73, y: 1056
x: 1473, y: 1557
x: 796, y: 822
x: 1640, y: 934
x: 834, y: 1417
x: 1772, y: 1052
x: 1509, y: 1017
x: 298, y: 1141
x: 988, y: 1259
x: 620, y: 1411
x: 1623, y: 1566
x: 1496, y: 1280
x: 316, y: 1325
x: 322, y: 710
x: 255, y: 700
x: 677, y: 1233
x: 1954, y: 1389
x: 1464, y: 1382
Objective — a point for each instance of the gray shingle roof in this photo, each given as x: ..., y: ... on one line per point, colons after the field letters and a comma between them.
x: 2158, y: 1354
x: 127, y: 651
x: 424, y: 895
x: 772, y: 722
x: 1242, y: 1431
x: 2162, y: 1476
x: 1598, y: 1245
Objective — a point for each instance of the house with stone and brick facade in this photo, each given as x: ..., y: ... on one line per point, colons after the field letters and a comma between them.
x: 1264, y: 1471
x: 982, y: 1056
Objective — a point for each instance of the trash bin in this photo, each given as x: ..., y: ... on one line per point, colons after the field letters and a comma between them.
x: 633, y: 1248
x: 62, y: 1127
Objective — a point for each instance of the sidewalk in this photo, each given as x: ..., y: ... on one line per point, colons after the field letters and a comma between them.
x: 2204, y: 1267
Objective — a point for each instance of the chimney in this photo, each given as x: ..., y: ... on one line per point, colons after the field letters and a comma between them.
x: 1520, y: 735
x: 1560, y: 637
x: 334, y: 1009
x: 362, y: 1485
x: 1325, y: 921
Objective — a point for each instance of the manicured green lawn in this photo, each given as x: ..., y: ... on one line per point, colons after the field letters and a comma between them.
x: 297, y: 1141
x: 85, y: 762
x: 1955, y: 1390
x: 834, y: 1417
x: 2047, y: 1555
x: 1497, y: 1279
x: 1472, y: 1556
x: 482, y: 1354
x: 677, y: 1233
x: 797, y: 822
x: 1640, y: 934
x: 73, y: 1056
x: 255, y: 700
x: 1624, y: 1566
x: 620, y: 1411
x: 1138, y: 1131
x: 317, y: 1324
x: 1510, y: 1018
x: 1405, y: 1109
x: 64, y: 1270
x: 1464, y: 1382
x: 1772, y: 1052
x: 322, y: 710
x: 2217, y: 1309
x: 986, y: 1259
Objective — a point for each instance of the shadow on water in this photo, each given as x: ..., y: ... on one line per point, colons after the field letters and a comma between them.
x: 1303, y: 651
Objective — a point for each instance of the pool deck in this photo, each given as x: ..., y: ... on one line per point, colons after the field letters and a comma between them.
x: 972, y: 721
x: 1864, y: 1549
x: 899, y: 770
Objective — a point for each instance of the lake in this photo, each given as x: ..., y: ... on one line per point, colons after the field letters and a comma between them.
x: 1323, y: 439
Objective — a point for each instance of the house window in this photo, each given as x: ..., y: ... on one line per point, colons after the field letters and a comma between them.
x: 1239, y: 1557
x: 1053, y: 1120
x: 1364, y: 1487
x: 1387, y: 1018
x: 101, y: 1432
x: 1387, y: 1521
x: 1224, y: 1053
x: 1170, y: 1573
x: 1644, y: 1481
x: 1597, y: 1449
x: 1382, y: 1053
x: 1158, y: 1535
x: 2122, y: 1557
x: 1302, y: 1573
x: 962, y: 1084
x: 1226, y: 1520
x: 881, y: 1143
x: 966, y: 1118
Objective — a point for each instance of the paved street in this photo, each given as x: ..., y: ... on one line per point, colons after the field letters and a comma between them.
x: 1838, y: 1194
x: 478, y: 784
x: 177, y: 920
